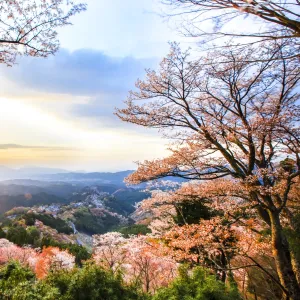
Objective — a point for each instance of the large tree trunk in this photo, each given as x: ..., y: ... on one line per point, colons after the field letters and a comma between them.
x: 296, y: 266
x: 282, y: 256
x: 294, y: 256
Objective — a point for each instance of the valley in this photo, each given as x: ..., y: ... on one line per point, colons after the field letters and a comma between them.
x: 39, y: 212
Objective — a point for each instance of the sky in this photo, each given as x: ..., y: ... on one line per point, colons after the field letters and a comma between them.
x: 58, y: 112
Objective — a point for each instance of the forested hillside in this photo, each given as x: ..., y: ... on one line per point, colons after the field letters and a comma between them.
x: 209, y: 205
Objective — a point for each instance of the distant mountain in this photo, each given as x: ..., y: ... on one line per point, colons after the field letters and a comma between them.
x: 28, y: 172
x: 21, y: 187
x: 24, y: 182
x: 61, y: 175
x: 96, y: 178
x: 116, y: 178
x: 44, y: 177
x: 15, y: 189
x: 8, y: 202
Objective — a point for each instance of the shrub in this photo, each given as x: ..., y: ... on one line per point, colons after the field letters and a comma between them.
x: 88, y: 283
x: 136, y: 229
x: 17, y: 235
x: 91, y: 283
x: 19, y: 283
x: 2, y: 233
x: 200, y: 285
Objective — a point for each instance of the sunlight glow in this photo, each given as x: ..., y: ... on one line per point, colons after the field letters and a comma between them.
x: 25, y: 124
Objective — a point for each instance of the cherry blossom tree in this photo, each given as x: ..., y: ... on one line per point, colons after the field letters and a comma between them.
x: 232, y: 115
x: 142, y: 260
x: 10, y: 251
x: 29, y: 27
x: 148, y: 263
x: 216, y: 20
x: 108, y: 250
x: 223, y: 235
x: 52, y: 258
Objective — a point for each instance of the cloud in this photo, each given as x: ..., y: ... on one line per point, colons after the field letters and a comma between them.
x: 17, y: 146
x: 101, y: 80
x: 82, y: 72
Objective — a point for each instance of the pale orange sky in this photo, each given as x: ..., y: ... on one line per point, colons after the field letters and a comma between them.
x: 38, y: 111
x: 68, y: 101
x: 67, y: 143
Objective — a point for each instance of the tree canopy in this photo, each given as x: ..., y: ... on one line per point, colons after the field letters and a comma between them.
x: 216, y: 21
x: 29, y: 27
x: 232, y: 117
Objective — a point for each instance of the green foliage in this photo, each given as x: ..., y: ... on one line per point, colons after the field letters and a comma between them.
x: 192, y: 212
x: 17, y: 235
x: 29, y: 219
x: 86, y: 222
x: 11, y: 276
x: 289, y: 165
x: 200, y: 285
x: 88, y: 283
x: 48, y: 241
x: 60, y: 225
x: 32, y: 291
x: 91, y: 224
x: 33, y: 236
x: 136, y: 229
x: 123, y: 201
x: 19, y: 283
x: 91, y: 282
x: 21, y: 236
x: 2, y: 233
x: 293, y: 236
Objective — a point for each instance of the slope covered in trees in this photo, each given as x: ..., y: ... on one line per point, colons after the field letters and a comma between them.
x: 233, y: 119
x: 230, y: 228
x: 28, y: 200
